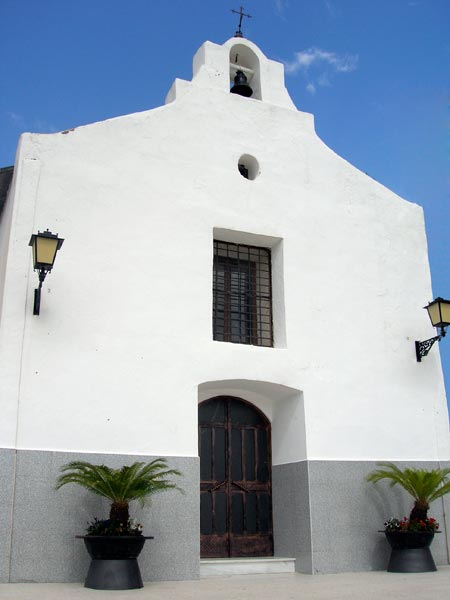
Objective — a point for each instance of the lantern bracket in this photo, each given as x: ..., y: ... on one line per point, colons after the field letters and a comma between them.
x: 37, y: 292
x: 422, y: 348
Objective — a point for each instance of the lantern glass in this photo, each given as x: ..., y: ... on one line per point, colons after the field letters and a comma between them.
x: 439, y: 311
x: 45, y: 246
x: 45, y: 250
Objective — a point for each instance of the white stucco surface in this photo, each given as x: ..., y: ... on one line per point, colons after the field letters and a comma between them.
x: 124, y: 339
x: 282, y: 405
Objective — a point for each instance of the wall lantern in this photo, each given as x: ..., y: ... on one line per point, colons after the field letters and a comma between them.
x: 439, y: 311
x: 45, y: 245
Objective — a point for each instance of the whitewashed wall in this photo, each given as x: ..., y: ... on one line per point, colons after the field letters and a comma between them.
x: 114, y: 362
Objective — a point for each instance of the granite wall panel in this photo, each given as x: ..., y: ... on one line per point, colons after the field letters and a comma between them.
x: 46, y: 521
x: 324, y: 512
x: 291, y: 514
x: 7, y: 479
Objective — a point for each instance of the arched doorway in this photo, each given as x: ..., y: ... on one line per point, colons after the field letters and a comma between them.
x: 235, y: 479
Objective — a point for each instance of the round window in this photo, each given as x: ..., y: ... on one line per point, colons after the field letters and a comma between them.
x: 248, y: 166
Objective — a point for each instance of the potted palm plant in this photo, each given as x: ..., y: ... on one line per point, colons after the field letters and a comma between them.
x: 115, y: 543
x: 410, y: 538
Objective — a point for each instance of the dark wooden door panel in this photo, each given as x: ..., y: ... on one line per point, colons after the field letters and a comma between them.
x: 235, y: 488
x: 250, y: 545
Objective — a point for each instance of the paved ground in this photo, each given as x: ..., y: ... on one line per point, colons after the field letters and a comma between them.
x: 345, y: 586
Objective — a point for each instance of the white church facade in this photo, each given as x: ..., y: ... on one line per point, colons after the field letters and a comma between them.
x: 230, y: 295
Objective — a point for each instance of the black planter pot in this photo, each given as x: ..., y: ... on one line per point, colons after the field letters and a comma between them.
x: 114, y: 565
x: 410, y: 551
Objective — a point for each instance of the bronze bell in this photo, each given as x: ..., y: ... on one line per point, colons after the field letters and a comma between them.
x: 241, y: 86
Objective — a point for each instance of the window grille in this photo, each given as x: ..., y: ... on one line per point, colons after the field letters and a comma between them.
x: 242, y: 294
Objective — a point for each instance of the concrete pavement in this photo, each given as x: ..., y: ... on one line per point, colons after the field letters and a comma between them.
x: 377, y: 585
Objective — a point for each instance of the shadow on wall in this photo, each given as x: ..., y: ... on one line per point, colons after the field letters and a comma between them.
x: 282, y: 405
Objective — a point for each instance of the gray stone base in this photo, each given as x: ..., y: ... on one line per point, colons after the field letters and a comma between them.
x: 325, y: 515
x: 39, y: 524
x: 7, y: 478
x: 328, y: 517
x: 292, y: 514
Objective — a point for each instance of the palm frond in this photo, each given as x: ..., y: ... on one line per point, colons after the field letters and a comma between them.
x: 95, y: 478
x: 135, y: 482
x: 442, y: 491
x: 140, y: 480
x: 424, y: 485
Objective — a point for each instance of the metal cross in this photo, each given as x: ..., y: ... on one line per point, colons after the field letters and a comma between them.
x: 241, y: 14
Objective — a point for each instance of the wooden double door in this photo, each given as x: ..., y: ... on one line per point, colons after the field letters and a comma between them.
x: 235, y: 479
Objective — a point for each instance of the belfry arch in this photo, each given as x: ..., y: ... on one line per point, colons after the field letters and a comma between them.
x: 242, y: 58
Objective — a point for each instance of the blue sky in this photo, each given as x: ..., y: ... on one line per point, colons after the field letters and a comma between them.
x: 375, y: 75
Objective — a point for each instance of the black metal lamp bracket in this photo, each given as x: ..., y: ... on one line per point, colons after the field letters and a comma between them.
x: 422, y: 348
x: 37, y: 292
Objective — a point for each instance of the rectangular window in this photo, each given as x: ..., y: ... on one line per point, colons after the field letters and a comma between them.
x: 242, y: 294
